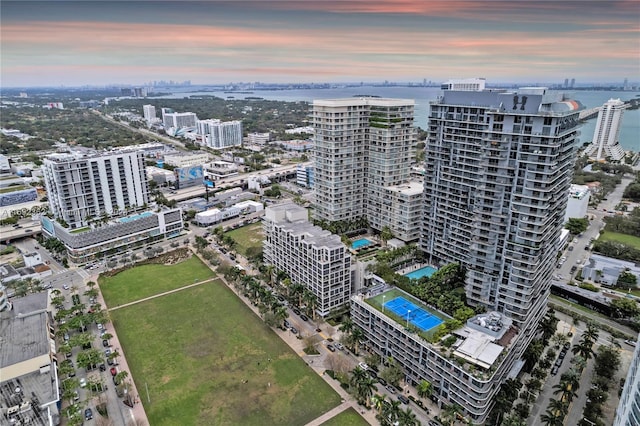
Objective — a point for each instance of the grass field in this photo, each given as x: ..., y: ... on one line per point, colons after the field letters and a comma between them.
x: 621, y: 238
x: 247, y: 236
x: 348, y: 417
x: 147, y: 280
x: 208, y: 360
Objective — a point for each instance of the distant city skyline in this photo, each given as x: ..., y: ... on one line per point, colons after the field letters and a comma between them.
x: 75, y: 43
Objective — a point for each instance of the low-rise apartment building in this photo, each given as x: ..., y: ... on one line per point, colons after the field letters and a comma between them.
x: 310, y: 255
x: 467, y: 373
x: 99, y: 240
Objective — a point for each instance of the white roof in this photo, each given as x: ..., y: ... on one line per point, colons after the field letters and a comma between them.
x: 208, y: 213
x: 478, y: 349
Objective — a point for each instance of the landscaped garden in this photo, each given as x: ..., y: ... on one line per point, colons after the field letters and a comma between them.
x: 147, y: 280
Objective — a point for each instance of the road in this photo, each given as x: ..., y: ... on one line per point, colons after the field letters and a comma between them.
x: 578, y: 255
x: 577, y: 406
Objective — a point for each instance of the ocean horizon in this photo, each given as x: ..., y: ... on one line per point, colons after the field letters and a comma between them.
x: 629, y: 130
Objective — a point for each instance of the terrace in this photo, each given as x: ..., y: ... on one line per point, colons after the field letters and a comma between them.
x: 479, y: 345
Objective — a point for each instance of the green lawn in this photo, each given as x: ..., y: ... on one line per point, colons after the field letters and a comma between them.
x: 348, y: 417
x: 146, y: 280
x: 621, y: 238
x: 208, y: 360
x: 247, y: 236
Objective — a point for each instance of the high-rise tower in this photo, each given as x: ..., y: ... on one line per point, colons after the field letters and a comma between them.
x: 497, y: 173
x: 82, y: 187
x: 605, y: 143
x: 363, y: 152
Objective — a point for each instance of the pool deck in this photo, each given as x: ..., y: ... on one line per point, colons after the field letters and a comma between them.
x: 412, y: 268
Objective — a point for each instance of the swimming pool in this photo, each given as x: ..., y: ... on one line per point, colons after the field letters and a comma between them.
x: 134, y: 217
x: 426, y: 271
x: 416, y: 315
x: 359, y: 243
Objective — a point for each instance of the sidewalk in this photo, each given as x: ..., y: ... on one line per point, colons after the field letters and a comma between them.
x: 136, y: 415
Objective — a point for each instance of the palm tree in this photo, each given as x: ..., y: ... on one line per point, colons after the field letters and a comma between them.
x: 379, y: 402
x: 391, y: 411
x: 591, y: 333
x: 385, y: 235
x: 356, y: 335
x: 583, y: 349
x: 357, y: 375
x: 347, y: 325
x: 407, y: 418
x: 365, y: 389
x: 566, y: 389
x: 559, y: 407
x: 310, y: 300
x: 281, y: 314
x: 550, y: 418
x: 120, y: 377
x: 448, y: 416
x: 532, y: 353
x: 425, y: 389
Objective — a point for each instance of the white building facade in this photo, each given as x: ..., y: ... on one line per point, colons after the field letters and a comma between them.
x: 578, y: 203
x: 149, y: 113
x: 310, y: 255
x: 606, y: 145
x: 83, y: 187
x: 186, y: 159
x: 628, y: 412
x: 179, y: 120
x: 362, y: 147
x: 218, y: 134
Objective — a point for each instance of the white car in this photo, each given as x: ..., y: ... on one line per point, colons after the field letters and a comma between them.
x: 83, y: 382
x: 363, y: 365
x: 66, y: 287
x: 100, y: 327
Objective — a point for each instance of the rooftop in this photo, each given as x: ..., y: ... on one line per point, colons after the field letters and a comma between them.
x: 23, y: 337
x: 410, y: 188
x: 363, y: 101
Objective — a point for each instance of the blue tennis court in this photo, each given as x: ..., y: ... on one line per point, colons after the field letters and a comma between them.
x: 416, y: 315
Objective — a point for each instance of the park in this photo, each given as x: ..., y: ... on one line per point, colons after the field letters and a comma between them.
x: 201, y: 356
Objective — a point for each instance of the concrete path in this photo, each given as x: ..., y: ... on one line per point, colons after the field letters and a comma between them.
x: 132, y: 415
x: 162, y: 294
x: 329, y: 414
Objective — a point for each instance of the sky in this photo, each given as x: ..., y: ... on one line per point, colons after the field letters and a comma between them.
x: 75, y: 43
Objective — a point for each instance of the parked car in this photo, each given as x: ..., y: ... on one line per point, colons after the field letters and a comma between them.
x: 403, y: 399
x: 88, y: 414
x: 391, y: 389
x: 294, y: 330
x: 363, y: 366
x: 105, y: 343
x: 83, y: 382
x: 331, y: 348
x: 304, y: 317
x: 113, y: 371
x: 339, y: 346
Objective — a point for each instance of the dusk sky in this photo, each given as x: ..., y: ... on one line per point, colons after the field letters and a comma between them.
x: 77, y: 43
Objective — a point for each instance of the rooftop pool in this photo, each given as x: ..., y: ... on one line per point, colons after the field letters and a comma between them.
x: 425, y: 271
x: 359, y: 243
x: 135, y: 217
